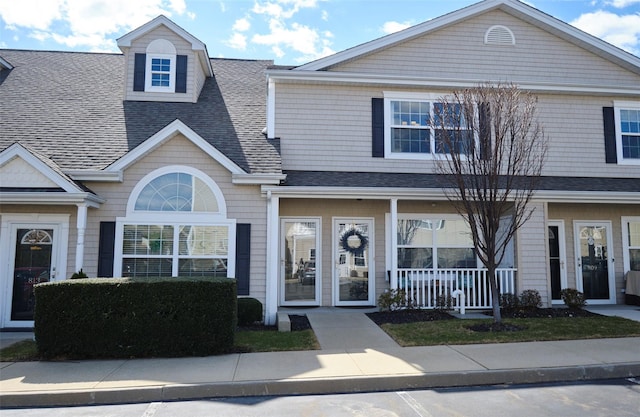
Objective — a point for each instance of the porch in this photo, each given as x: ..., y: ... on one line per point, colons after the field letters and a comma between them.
x: 462, y: 287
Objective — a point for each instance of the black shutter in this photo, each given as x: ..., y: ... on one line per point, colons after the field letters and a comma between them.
x: 181, y: 74
x: 243, y: 257
x: 105, y: 249
x: 610, y: 152
x: 138, y: 72
x: 484, y: 125
x: 377, y: 127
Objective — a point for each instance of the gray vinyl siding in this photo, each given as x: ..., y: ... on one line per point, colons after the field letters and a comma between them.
x: 244, y: 203
x: 459, y: 52
x: 182, y: 48
x: 333, y: 123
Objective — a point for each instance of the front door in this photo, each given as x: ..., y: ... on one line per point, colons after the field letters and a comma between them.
x: 557, y: 259
x: 594, y: 262
x: 300, y: 266
x: 353, y: 259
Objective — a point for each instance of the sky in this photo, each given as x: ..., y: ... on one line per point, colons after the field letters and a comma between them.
x: 290, y: 32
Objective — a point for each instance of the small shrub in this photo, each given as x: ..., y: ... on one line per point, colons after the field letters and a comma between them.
x: 79, y: 275
x: 573, y: 298
x: 249, y: 311
x: 443, y: 302
x: 393, y: 300
x: 509, y: 301
x: 530, y: 299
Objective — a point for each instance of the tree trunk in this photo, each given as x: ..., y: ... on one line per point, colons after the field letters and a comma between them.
x: 495, y: 295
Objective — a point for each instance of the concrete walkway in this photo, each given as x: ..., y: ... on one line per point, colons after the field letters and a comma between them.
x: 355, y: 356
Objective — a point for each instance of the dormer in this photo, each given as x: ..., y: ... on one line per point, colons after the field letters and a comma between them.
x: 164, y: 63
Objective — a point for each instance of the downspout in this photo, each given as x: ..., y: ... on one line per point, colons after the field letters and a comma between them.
x: 81, y: 226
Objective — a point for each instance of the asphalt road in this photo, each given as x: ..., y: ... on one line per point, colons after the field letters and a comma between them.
x: 618, y: 398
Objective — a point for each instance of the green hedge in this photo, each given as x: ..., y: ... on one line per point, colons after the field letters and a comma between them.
x: 124, y: 318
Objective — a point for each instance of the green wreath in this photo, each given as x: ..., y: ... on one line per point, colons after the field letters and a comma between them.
x: 353, y: 241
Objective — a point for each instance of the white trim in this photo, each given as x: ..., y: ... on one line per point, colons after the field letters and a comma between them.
x: 273, y: 270
x: 610, y: 259
x: 501, y: 41
x: 317, y: 301
x: 148, y: 86
x: 18, y: 151
x: 163, y: 135
x: 5, y: 64
x: 562, y: 246
x: 271, y: 108
x: 625, y: 220
x: 517, y: 8
x: 445, y: 83
x: 94, y: 176
x: 258, y: 179
x: 8, y: 227
x: 617, y: 106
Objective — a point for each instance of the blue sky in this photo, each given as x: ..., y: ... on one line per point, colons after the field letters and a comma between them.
x: 290, y: 32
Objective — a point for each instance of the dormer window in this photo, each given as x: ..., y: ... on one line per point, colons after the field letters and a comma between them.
x: 160, y: 70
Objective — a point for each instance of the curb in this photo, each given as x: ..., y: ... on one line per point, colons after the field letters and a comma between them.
x: 315, y: 386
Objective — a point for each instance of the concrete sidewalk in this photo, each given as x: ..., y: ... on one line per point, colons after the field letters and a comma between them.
x: 355, y: 356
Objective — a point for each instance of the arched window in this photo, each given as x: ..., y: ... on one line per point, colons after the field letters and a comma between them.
x: 176, y: 225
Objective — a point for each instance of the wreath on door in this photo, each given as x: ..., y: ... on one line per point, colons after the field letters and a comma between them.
x: 353, y: 241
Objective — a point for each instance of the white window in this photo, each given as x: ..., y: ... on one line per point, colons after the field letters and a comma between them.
x: 411, y: 127
x: 176, y: 225
x: 631, y: 243
x: 161, y: 66
x: 627, y: 119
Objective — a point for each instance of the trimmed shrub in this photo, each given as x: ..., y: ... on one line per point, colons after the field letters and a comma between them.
x: 509, y: 301
x: 78, y: 275
x: 124, y: 318
x: 573, y: 298
x: 394, y: 300
x: 530, y: 299
x: 249, y: 311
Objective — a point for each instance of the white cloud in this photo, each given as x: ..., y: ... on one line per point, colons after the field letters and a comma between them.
x: 621, y: 4
x: 622, y: 31
x: 242, y: 25
x: 87, y: 23
x: 237, y: 41
x: 392, y: 27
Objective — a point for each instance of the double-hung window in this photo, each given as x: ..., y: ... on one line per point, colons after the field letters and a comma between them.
x: 160, y: 72
x: 627, y: 124
x: 631, y: 243
x: 419, y: 127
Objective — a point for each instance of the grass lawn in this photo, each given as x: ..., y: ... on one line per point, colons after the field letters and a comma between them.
x: 457, y: 332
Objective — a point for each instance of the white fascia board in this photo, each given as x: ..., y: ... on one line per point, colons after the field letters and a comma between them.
x: 258, y: 179
x: 172, y: 129
x: 18, y: 151
x: 444, y: 83
x: 95, y: 176
x: 586, y: 197
x: 5, y: 64
x: 53, y: 198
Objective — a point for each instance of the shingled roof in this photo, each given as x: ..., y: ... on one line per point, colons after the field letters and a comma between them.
x: 69, y: 107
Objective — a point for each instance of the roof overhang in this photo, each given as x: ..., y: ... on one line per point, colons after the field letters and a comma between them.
x: 51, y: 198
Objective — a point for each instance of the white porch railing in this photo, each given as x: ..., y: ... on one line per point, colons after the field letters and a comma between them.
x: 426, y: 286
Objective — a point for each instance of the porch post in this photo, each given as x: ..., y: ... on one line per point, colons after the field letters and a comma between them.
x: 81, y: 225
x: 393, y: 281
x: 273, y: 260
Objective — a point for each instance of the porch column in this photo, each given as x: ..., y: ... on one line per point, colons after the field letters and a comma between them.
x: 273, y: 260
x: 393, y: 281
x: 81, y: 226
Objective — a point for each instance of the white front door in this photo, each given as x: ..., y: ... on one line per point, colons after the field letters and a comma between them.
x: 300, y: 262
x: 594, y: 261
x: 34, y: 252
x: 354, y: 274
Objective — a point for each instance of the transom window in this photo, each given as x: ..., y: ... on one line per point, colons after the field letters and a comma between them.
x: 434, y: 243
x: 627, y: 116
x: 176, y: 225
x: 419, y: 127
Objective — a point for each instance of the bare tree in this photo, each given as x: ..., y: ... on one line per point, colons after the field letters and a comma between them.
x: 490, y: 151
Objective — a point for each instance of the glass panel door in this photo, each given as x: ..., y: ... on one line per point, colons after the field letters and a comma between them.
x: 32, y: 265
x: 557, y: 259
x: 594, y: 266
x: 353, y: 257
x: 300, y: 262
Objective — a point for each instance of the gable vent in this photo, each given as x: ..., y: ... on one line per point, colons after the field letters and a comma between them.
x: 499, y: 35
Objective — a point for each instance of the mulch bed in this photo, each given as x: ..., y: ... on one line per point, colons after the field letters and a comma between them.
x: 408, y: 316
x: 299, y: 322
x: 541, y: 313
